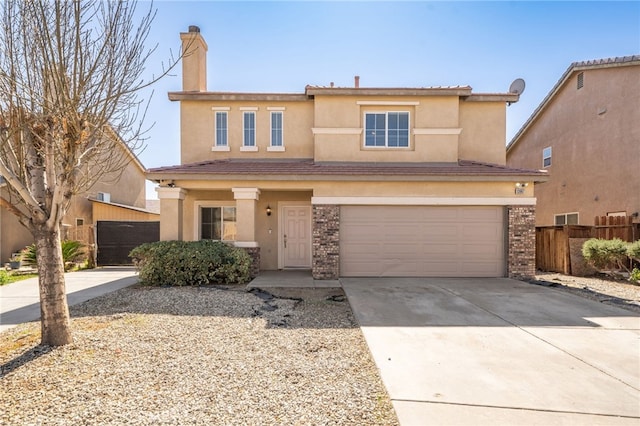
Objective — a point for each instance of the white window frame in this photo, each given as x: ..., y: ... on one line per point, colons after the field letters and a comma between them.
x: 199, y: 205
x: 546, y: 157
x: 386, y: 130
x: 272, y: 146
x: 217, y: 145
x: 566, y: 218
x: 245, y: 145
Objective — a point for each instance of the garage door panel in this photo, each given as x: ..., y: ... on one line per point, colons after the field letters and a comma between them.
x: 489, y: 268
x: 481, y: 214
x: 479, y: 231
x: 421, y: 241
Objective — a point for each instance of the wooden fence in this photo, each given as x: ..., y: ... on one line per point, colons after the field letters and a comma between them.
x: 553, y: 243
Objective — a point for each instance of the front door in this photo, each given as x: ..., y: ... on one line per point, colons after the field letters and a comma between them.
x: 296, y: 237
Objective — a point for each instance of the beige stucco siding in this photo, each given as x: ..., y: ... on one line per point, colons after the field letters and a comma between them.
x: 594, y: 133
x: 434, y: 128
x: 198, y: 129
x: 13, y: 236
x: 483, y: 136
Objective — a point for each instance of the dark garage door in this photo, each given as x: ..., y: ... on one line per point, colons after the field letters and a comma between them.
x: 117, y: 239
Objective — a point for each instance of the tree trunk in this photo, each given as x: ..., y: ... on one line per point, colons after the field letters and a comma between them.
x: 54, y: 311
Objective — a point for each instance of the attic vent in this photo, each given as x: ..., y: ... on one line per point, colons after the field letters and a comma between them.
x: 104, y: 196
x: 580, y: 80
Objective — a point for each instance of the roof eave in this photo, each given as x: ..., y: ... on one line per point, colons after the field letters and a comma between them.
x: 233, y: 96
x: 449, y: 177
x: 372, y: 91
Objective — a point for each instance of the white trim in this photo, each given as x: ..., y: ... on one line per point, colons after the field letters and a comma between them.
x: 167, y: 193
x: 271, y: 145
x: 216, y: 146
x: 550, y: 156
x: 390, y: 103
x: 254, y: 147
x: 220, y: 108
x: 425, y: 201
x: 336, y: 130
x: 246, y: 244
x: 386, y: 130
x: 221, y: 148
x: 248, y: 108
x: 437, y: 131
x: 276, y: 108
x: 246, y: 193
x: 566, y: 218
x: 275, y: 149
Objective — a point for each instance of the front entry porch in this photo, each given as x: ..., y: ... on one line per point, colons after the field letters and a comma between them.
x: 293, y: 278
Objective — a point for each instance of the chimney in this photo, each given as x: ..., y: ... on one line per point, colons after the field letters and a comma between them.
x: 194, y: 61
x: 356, y: 81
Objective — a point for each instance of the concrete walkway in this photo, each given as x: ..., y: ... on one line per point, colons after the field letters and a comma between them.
x: 20, y: 301
x: 499, y: 352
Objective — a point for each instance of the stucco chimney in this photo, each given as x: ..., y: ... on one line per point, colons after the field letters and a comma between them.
x: 356, y: 81
x: 194, y: 61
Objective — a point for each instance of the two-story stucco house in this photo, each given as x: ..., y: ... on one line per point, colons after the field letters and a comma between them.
x: 350, y: 181
x: 586, y: 133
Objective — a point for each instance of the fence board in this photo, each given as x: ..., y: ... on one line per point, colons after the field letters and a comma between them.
x: 552, y: 242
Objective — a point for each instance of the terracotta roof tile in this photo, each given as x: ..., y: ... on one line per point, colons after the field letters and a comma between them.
x: 310, y: 168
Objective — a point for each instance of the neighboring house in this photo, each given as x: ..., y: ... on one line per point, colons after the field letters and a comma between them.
x: 121, y: 199
x: 586, y: 133
x: 350, y: 181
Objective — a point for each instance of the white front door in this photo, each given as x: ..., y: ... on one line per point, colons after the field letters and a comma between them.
x: 296, y: 237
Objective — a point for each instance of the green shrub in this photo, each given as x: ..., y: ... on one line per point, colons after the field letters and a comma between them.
x: 605, y: 254
x: 633, y: 251
x: 28, y: 255
x: 634, y: 276
x: 191, y: 263
x: 4, y: 277
x: 72, y: 252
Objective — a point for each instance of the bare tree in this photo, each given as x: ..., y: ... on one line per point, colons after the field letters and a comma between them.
x: 71, y: 75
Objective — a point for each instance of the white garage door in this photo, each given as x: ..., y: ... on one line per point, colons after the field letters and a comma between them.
x: 420, y: 241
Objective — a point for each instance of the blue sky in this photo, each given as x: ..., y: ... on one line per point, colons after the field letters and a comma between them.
x: 283, y: 46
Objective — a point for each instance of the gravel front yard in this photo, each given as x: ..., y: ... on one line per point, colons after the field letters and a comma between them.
x: 206, y: 356
x: 620, y: 293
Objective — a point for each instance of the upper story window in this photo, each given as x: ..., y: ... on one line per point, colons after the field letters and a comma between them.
x: 386, y: 129
x: 546, y: 157
x: 276, y: 128
x: 249, y: 128
x: 221, y: 129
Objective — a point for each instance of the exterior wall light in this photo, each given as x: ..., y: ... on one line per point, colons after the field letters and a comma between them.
x: 268, y: 210
x: 520, y: 186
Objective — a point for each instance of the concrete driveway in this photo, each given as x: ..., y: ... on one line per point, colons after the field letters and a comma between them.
x: 499, y: 352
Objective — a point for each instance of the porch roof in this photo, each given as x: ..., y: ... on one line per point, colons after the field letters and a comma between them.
x: 309, y: 170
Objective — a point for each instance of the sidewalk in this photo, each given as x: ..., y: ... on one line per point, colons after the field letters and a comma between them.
x: 20, y: 301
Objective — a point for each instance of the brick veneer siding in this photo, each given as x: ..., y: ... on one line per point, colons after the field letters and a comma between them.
x: 254, y: 253
x: 326, y: 242
x: 521, y: 261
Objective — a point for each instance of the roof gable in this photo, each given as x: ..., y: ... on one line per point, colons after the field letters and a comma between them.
x: 575, y: 67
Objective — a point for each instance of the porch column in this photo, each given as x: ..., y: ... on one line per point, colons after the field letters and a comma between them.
x: 171, y: 209
x: 246, y: 205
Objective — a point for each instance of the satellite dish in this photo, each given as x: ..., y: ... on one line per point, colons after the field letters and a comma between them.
x: 517, y: 87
